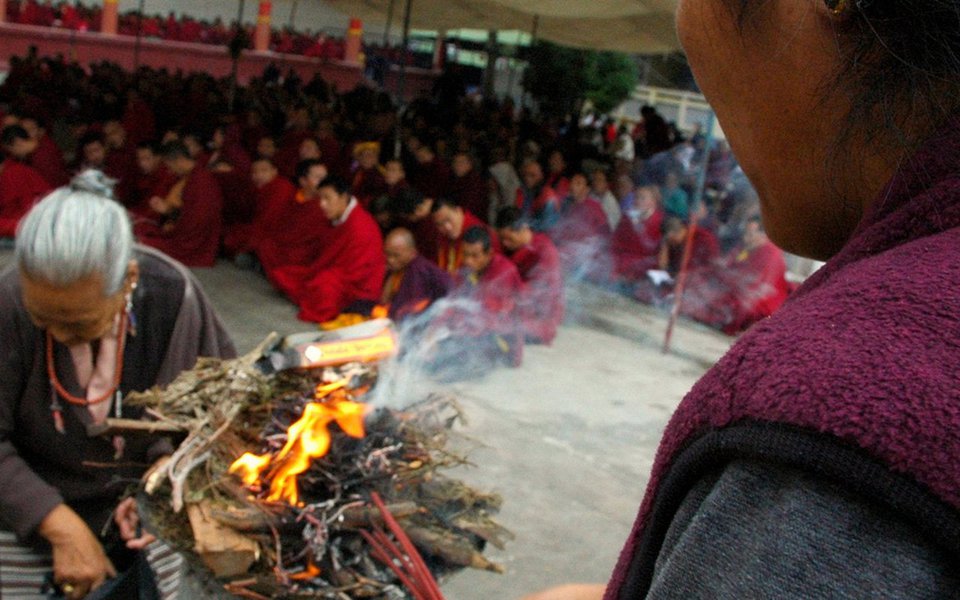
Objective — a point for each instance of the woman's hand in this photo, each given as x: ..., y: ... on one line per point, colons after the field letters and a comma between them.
x: 575, y: 591
x: 79, y: 563
x: 128, y: 520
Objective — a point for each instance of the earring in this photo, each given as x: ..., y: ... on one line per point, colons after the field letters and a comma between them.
x: 837, y: 7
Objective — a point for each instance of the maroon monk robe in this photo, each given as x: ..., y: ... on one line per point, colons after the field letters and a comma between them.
x: 194, y: 237
x: 450, y: 252
x: 291, y: 230
x: 542, y: 305
x: 636, y: 246
x: 146, y: 186
x: 431, y: 179
x: 367, y: 184
x: 470, y: 192
x: 21, y: 186
x: 498, y: 289
x: 704, y: 252
x: 270, y: 205
x: 48, y: 161
x: 349, y: 268
x: 583, y: 238
x: 747, y: 287
x: 412, y: 290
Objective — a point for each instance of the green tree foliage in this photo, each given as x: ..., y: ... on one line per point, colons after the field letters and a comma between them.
x: 560, y: 78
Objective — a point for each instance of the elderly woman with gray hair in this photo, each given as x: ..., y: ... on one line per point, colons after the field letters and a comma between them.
x: 87, y: 316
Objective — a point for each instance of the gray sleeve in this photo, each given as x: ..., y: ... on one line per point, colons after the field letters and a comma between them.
x: 763, y: 531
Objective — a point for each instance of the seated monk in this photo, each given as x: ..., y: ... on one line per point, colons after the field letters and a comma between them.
x: 21, y: 186
x: 272, y: 193
x: 583, y: 233
x: 395, y: 177
x: 467, y: 186
x: 538, y: 262
x: 453, y: 222
x: 47, y: 158
x: 350, y: 266
x: 367, y: 177
x: 704, y: 250
x: 153, y: 179
x: 747, y: 286
x: 187, y: 222
x: 412, y: 210
x: 291, y: 228
x: 432, y: 175
x: 636, y: 241
x: 486, y: 332
x: 413, y: 282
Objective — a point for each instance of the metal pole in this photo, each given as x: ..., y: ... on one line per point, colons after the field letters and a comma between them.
x: 533, y: 40
x: 691, y: 230
x: 136, y: 46
x: 386, y: 30
x: 233, y: 69
x: 402, y: 77
x: 293, y: 13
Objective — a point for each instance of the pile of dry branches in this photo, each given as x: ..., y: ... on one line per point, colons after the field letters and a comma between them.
x: 340, y: 540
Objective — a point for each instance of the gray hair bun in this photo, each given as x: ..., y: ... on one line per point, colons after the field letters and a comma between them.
x: 94, y: 182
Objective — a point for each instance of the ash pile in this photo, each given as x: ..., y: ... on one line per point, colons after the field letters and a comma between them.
x: 287, y: 484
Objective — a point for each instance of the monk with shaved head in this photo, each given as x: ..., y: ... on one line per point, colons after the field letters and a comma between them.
x: 412, y: 281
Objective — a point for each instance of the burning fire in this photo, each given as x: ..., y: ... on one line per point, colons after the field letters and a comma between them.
x: 307, y: 439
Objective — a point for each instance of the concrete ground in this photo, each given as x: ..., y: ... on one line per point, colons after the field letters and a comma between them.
x: 568, y: 439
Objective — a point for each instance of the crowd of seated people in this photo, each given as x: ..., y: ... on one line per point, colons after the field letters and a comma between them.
x: 304, y: 185
x: 77, y: 16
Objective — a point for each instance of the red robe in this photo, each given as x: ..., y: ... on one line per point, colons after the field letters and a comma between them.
x: 194, y: 238
x: 747, y: 287
x: 542, y: 305
x: 367, y: 184
x: 450, y: 252
x: 270, y: 205
x: 636, y: 246
x: 498, y: 290
x: 349, y: 268
x: 583, y: 238
x: 704, y: 252
x: 48, y: 161
x: 431, y: 179
x: 470, y: 192
x: 21, y: 187
x: 291, y: 231
x: 412, y: 290
x: 146, y: 186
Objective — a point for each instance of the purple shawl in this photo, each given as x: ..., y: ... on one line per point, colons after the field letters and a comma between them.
x: 864, y: 356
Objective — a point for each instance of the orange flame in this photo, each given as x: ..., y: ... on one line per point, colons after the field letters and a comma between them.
x: 307, y: 439
x: 307, y: 574
x: 380, y: 312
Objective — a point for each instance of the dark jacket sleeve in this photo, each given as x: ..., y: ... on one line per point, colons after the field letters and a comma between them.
x: 25, y: 498
x: 762, y: 531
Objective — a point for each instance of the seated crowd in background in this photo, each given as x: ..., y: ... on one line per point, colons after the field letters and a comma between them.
x: 484, y: 202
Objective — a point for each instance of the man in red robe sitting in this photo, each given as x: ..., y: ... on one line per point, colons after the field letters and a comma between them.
x: 47, y: 158
x: 350, y: 267
x: 292, y: 229
x: 453, y: 222
x: 367, y: 178
x: 21, y: 186
x: 413, y: 283
x: 583, y: 234
x: 153, y: 179
x: 187, y: 222
x: 538, y: 262
x: 485, y: 331
x: 467, y: 186
x: 747, y: 286
x: 411, y: 210
x: 636, y: 241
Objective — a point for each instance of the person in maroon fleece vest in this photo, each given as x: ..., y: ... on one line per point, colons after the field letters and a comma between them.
x: 820, y: 458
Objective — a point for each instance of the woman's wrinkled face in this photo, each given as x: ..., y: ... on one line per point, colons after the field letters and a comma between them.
x: 73, y: 313
x: 768, y: 75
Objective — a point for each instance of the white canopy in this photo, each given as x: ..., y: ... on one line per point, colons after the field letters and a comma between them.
x: 640, y: 26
